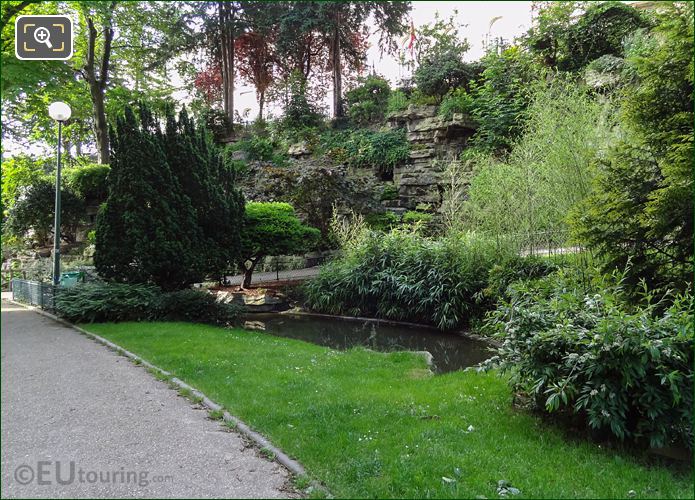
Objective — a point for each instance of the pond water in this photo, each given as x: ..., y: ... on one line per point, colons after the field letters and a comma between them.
x: 450, y: 351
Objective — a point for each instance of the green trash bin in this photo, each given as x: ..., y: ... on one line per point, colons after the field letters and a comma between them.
x: 71, y: 278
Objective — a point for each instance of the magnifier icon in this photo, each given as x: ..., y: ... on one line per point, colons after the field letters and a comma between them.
x: 42, y: 35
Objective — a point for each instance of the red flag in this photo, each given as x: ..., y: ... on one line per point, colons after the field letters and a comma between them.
x: 412, y: 37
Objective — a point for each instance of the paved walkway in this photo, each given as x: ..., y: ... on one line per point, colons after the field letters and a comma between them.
x: 269, y: 277
x: 68, y: 400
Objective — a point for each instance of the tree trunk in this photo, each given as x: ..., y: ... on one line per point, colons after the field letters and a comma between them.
x: 337, y: 76
x: 97, y: 83
x: 248, y: 274
x: 261, y: 103
x: 100, y: 124
x: 226, y: 19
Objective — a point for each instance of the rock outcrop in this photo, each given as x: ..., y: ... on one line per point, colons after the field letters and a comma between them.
x: 434, y: 141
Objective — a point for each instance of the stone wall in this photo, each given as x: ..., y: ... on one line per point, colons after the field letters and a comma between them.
x: 434, y: 141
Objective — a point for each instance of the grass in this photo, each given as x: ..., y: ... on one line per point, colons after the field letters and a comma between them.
x: 370, y: 424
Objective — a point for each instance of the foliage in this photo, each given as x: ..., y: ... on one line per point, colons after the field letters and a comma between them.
x: 533, y: 189
x: 397, y: 101
x: 641, y: 209
x: 457, y: 101
x: 259, y: 148
x: 515, y: 269
x: 601, y: 31
x: 382, y: 221
x: 403, y: 276
x: 360, y: 401
x: 548, y: 35
x: 20, y: 172
x: 173, y: 212
x: 368, y: 101
x: 89, y: 182
x: 34, y: 211
x: 361, y: 148
x: 114, y: 302
x: 300, y: 112
x: 584, y: 354
x: 414, y: 217
x: 197, y: 307
x: 390, y: 192
x: 99, y: 302
x: 500, y: 101
x: 437, y: 76
x: 272, y: 228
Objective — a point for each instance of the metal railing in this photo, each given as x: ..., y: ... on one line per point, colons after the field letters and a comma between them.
x: 35, y: 293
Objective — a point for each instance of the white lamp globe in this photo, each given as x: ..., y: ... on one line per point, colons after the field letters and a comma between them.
x: 59, y: 111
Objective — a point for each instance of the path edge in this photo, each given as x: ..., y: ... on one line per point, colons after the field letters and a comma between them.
x: 239, y: 425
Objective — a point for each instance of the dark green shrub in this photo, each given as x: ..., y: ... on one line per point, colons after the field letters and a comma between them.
x: 458, y: 101
x: 390, y: 192
x: 197, y: 307
x: 398, y: 101
x: 33, y: 211
x: 113, y: 302
x: 89, y: 182
x: 367, y: 102
x: 381, y: 151
x: 515, y: 269
x: 415, y: 217
x: 582, y: 353
x: 406, y: 277
x: 259, y: 148
x: 382, y: 221
x: 106, y: 302
x: 437, y: 76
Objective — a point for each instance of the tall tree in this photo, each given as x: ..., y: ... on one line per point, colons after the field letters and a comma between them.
x: 344, y: 29
x: 641, y: 211
x: 96, y: 69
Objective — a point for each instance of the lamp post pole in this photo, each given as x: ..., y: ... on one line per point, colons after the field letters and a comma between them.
x: 56, y: 227
x: 60, y: 112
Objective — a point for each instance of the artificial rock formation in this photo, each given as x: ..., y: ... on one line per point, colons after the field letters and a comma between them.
x: 434, y: 142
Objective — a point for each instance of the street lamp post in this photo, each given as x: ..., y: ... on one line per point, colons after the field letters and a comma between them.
x: 60, y: 112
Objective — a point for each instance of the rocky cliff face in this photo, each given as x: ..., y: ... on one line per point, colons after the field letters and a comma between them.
x: 434, y: 141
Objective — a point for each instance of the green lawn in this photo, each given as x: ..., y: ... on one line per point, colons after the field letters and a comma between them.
x: 368, y: 424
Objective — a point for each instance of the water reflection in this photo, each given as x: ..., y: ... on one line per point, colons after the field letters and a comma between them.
x: 450, y: 351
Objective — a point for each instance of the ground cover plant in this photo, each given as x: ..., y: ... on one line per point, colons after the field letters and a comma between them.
x: 371, y: 424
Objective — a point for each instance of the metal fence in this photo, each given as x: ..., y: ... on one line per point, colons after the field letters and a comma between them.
x: 35, y: 293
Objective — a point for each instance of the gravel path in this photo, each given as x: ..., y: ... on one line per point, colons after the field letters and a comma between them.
x: 70, y: 404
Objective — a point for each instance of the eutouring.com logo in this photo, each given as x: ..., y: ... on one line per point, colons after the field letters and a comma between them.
x: 48, y: 472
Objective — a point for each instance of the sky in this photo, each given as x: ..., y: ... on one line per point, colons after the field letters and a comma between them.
x: 474, y: 20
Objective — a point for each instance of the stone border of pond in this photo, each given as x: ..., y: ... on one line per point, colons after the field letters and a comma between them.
x: 460, y: 333
x: 239, y: 425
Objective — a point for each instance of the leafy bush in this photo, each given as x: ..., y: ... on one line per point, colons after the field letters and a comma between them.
x: 33, y: 211
x: 382, y: 221
x: 439, y: 75
x: 261, y: 148
x: 113, y: 302
x: 397, y: 101
x: 106, y: 302
x: 390, y: 192
x: 415, y: 217
x: 381, y: 151
x: 89, y: 182
x: 367, y: 102
x: 515, y: 269
x: 197, y: 307
x: 458, y: 101
x: 584, y: 354
x: 403, y: 276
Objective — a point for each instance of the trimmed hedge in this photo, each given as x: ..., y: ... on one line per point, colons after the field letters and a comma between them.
x: 114, y: 302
